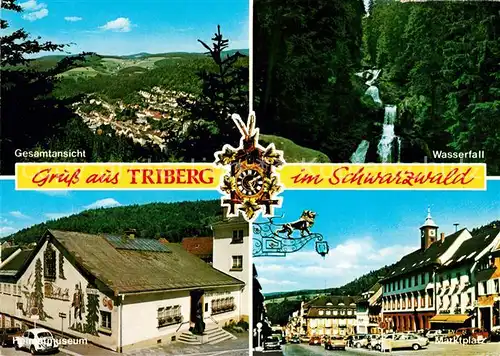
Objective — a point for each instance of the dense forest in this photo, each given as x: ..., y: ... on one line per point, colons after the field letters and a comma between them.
x: 38, y: 95
x: 172, y: 221
x: 439, y: 67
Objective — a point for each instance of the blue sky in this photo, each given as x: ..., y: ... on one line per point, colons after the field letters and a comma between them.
x: 20, y: 209
x: 367, y: 230
x: 121, y: 27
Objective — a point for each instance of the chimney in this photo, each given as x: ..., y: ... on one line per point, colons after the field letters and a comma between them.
x: 456, y: 226
x: 442, y: 237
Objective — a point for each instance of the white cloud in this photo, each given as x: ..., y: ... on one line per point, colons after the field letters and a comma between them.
x: 32, y: 5
x: 7, y: 230
x: 19, y: 215
x: 73, y: 18
x: 103, y: 203
x: 36, y: 15
x: 121, y: 24
x: 55, y: 216
x: 55, y: 193
x: 265, y: 281
x: 346, y: 261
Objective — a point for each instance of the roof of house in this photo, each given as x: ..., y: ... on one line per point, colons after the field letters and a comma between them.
x: 419, y: 259
x: 199, y: 246
x: 143, y: 265
x: 7, y: 251
x: 472, y: 247
x: 16, y: 263
x: 331, y: 302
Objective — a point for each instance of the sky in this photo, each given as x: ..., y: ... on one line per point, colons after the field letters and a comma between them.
x: 367, y: 230
x: 20, y: 209
x: 122, y: 27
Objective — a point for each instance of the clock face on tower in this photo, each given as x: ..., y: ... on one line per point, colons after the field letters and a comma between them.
x: 249, y: 182
x: 432, y: 232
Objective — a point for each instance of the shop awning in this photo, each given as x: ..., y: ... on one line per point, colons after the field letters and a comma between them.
x: 451, y: 319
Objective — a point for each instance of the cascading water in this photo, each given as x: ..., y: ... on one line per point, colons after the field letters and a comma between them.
x: 359, y: 155
x: 385, y: 145
x: 373, y: 92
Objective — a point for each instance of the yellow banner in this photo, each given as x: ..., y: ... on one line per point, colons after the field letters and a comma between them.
x: 117, y: 176
x: 208, y: 176
x: 384, y: 176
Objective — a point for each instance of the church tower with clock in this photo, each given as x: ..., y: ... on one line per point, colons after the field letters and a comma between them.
x: 428, y: 231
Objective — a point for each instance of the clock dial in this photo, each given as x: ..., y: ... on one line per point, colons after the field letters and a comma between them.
x: 250, y: 182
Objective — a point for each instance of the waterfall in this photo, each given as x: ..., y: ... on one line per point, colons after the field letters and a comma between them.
x: 374, y: 73
x: 359, y: 155
x: 373, y: 92
x: 399, y: 148
x: 385, y: 145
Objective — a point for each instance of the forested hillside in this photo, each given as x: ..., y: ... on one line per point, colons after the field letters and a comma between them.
x: 438, y: 65
x: 43, y: 101
x: 172, y: 221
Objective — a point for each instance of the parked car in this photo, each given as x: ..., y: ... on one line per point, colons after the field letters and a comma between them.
x: 304, y: 338
x: 359, y: 339
x: 295, y: 339
x: 495, y: 333
x: 7, y: 336
x: 37, y: 341
x: 406, y: 341
x: 376, y: 343
x: 434, y: 334
x: 478, y: 334
x: 315, y: 340
x: 335, y: 343
x: 272, y: 343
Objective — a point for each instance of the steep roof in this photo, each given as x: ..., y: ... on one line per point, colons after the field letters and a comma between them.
x: 429, y: 222
x: 7, y: 251
x: 420, y: 259
x: 141, y: 265
x: 12, y: 268
x: 199, y: 246
x: 472, y: 247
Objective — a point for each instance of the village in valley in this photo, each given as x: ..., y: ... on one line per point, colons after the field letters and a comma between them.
x: 144, y: 123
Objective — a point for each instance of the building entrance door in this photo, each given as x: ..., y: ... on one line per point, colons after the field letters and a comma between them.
x: 485, y: 318
x: 196, y: 315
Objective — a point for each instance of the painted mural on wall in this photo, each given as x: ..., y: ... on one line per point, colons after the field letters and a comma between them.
x: 32, y: 292
x: 78, y: 308
x: 92, y: 316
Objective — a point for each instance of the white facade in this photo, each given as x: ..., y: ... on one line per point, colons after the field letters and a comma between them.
x: 124, y: 321
x: 231, y: 255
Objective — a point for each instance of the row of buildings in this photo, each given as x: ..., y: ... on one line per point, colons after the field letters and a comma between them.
x: 95, y: 286
x: 449, y: 282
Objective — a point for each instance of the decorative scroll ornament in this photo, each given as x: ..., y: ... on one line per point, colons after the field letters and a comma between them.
x: 251, y: 182
x: 274, y: 239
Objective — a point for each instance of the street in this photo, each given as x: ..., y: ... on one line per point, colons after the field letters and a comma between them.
x: 487, y: 349
x: 10, y: 351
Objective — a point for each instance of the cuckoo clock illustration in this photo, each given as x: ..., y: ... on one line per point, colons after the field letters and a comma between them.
x: 251, y: 183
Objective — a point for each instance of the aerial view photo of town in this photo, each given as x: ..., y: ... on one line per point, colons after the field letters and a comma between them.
x: 410, y: 272
x: 96, y: 273
x: 127, y: 83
